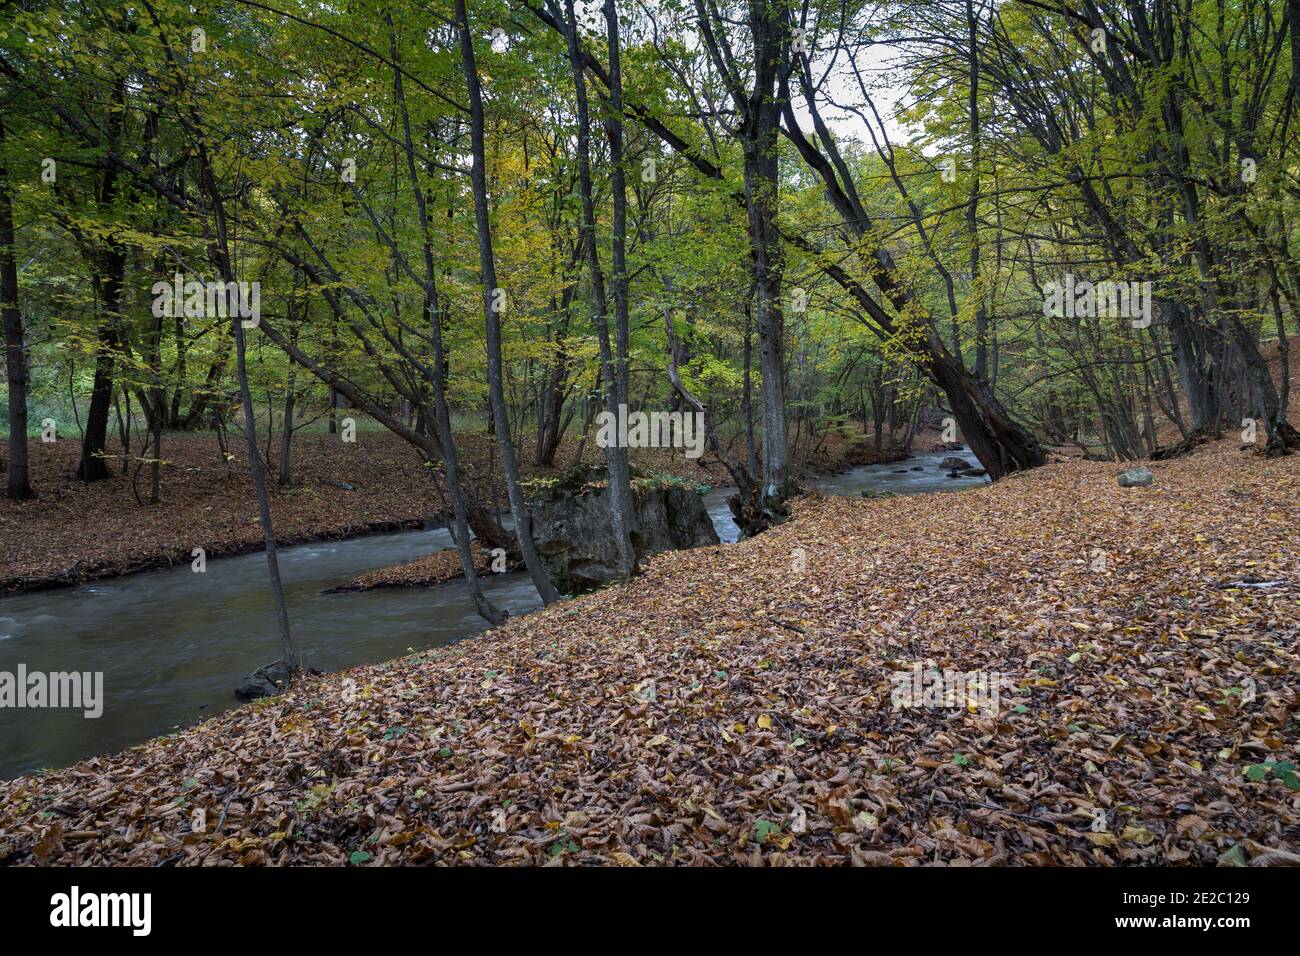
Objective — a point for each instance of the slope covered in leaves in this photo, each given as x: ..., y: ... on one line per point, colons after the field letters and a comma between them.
x: 733, y: 704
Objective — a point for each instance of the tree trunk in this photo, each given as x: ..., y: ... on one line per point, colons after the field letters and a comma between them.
x: 614, y: 130
x: 288, y: 655
x: 93, y: 466
x: 762, y: 186
x: 487, y: 265
x: 459, y: 525
x: 1001, y: 444
x: 220, y: 254
x: 615, y: 457
x: 284, y: 478
x: 747, y: 388
x: 182, y: 347
x: 156, y: 398
x: 19, y: 486
x: 972, y: 207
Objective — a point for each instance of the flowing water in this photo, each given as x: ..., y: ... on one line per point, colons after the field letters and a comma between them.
x: 172, y: 645
x: 910, y: 476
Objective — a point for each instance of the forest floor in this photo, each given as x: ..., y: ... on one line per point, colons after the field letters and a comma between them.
x: 74, y: 532
x: 741, y: 704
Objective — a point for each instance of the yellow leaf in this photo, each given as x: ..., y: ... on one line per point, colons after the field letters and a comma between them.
x: 1139, y: 835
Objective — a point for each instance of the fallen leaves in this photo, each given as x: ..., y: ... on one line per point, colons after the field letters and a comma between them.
x: 672, y: 719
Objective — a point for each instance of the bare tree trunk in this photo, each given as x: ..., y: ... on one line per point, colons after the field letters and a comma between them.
x: 19, y: 486
x: 620, y: 502
x: 182, y: 347
x: 496, y: 395
x: 459, y: 525
x: 110, y: 278
x: 156, y: 399
x: 614, y: 129
x: 124, y: 429
x: 220, y: 251
x: 287, y: 653
x: 284, y: 478
x: 155, y: 466
x: 93, y: 466
x: 760, y: 111
x: 762, y: 185
x: 747, y: 388
x: 972, y: 207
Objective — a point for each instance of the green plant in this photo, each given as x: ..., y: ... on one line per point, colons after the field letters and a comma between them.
x: 1283, y: 770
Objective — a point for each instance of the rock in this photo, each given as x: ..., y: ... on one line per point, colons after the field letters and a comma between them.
x: 917, y: 468
x: 974, y: 473
x: 1136, y: 477
x: 898, y: 471
x: 955, y: 464
x: 345, y: 485
x: 948, y: 446
x: 574, y: 535
x: 264, y: 682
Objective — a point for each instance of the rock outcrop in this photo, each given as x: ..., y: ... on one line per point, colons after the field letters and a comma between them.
x: 574, y: 536
x: 266, y: 681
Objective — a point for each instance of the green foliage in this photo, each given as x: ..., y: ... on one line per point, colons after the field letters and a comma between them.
x: 278, y: 103
x: 1283, y: 770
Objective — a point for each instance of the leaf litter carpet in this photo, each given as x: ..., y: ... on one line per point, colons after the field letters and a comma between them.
x: 737, y: 705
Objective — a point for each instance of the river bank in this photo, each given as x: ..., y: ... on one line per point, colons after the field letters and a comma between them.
x: 174, y: 644
x: 738, y: 704
x: 74, y: 533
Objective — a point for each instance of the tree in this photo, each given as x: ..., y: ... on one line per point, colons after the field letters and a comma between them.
x: 613, y: 368
x: 18, y: 485
x: 493, y: 301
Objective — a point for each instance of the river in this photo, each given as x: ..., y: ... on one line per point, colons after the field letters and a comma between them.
x: 173, y: 644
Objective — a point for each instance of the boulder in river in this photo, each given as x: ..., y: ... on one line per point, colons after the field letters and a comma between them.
x: 574, y: 535
x: 266, y: 681
x: 955, y: 464
x: 1136, y: 477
